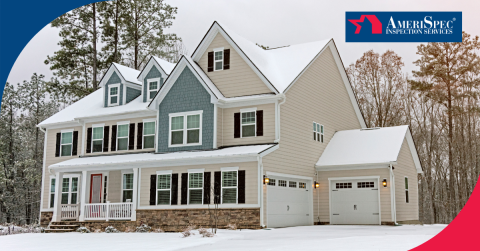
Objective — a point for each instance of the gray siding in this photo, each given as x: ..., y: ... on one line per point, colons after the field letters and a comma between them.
x: 132, y: 94
x: 153, y: 73
x: 186, y: 94
x: 114, y: 79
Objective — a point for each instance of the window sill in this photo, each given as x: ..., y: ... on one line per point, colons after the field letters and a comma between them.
x: 184, y: 145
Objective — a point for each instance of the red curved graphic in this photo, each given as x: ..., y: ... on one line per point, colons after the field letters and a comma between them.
x: 376, y: 24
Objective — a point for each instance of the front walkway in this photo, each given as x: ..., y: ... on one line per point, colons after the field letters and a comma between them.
x: 293, y: 238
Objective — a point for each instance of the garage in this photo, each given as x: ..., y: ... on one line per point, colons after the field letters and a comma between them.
x: 289, y: 202
x: 354, y: 201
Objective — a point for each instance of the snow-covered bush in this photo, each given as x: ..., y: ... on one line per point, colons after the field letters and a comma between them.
x: 205, y: 233
x: 144, y: 228
x: 83, y: 230
x: 188, y: 231
x: 158, y: 230
x: 111, y: 229
x: 231, y: 226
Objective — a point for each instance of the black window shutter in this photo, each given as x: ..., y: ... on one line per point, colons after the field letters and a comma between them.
x: 217, y: 187
x: 131, y: 137
x: 75, y: 143
x: 226, y: 59
x: 57, y: 146
x: 236, y: 125
x: 89, y: 140
x: 260, y: 123
x: 114, y: 138
x: 210, y: 61
x: 174, y: 199
x: 184, y: 188
x: 139, y: 135
x: 106, y: 133
x: 153, y: 189
x: 241, y: 187
x: 206, y: 188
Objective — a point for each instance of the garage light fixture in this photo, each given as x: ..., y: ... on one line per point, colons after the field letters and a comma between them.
x: 316, y: 184
x: 265, y: 179
x: 384, y: 182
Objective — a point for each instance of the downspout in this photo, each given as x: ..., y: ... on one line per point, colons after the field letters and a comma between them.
x: 278, y: 118
x: 392, y: 195
x: 43, y: 172
x: 260, y: 168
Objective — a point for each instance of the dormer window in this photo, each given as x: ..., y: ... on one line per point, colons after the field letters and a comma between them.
x: 218, y: 59
x: 113, y: 94
x: 153, y: 85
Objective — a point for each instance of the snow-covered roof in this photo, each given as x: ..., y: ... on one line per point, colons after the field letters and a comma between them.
x: 280, y: 66
x: 366, y: 146
x: 158, y: 159
x: 93, y: 106
x: 166, y: 66
x: 129, y: 74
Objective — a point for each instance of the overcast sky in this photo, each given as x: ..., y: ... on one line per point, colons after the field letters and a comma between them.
x: 269, y: 22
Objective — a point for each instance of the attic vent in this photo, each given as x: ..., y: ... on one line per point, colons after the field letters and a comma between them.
x: 369, y: 129
x: 277, y: 47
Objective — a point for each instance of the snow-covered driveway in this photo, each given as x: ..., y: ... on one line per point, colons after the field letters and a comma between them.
x: 293, y: 238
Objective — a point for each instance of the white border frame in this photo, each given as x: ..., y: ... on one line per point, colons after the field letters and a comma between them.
x: 128, y: 134
x: 61, y: 137
x: 103, y: 137
x: 130, y: 171
x: 215, y: 61
x: 254, y: 110
x: 118, y: 94
x: 406, y: 189
x: 154, y: 134
x: 202, y: 171
x: 148, y: 87
x: 158, y: 173
x: 184, y: 114
x: 223, y: 170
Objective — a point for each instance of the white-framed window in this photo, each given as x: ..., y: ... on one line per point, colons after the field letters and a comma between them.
x: 282, y: 183
x: 97, y: 138
x: 407, y: 200
x: 148, y: 134
x: 152, y: 87
x: 302, y: 185
x: 218, y: 59
x: 123, y: 131
x: 185, y: 129
x: 229, y: 187
x: 52, y: 193
x: 163, y: 189
x: 69, y: 190
x: 317, y: 132
x: 271, y: 182
x: 195, y: 188
x: 66, y: 142
x: 370, y: 184
x: 127, y: 187
x: 292, y: 184
x: 343, y: 185
x: 113, y: 94
x: 249, y: 125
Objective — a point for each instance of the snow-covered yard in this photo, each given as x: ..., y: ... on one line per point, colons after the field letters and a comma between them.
x: 293, y: 238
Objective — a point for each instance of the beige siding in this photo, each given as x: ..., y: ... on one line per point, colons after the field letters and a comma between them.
x: 321, y: 207
x: 114, y: 122
x: 114, y: 186
x: 50, y: 159
x: 239, y: 80
x: 319, y: 95
x: 406, y: 168
x: 268, y: 126
x: 251, y: 179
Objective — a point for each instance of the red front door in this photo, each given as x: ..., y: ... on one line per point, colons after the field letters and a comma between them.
x: 96, y: 188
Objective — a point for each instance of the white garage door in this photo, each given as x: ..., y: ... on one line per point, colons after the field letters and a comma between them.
x: 354, y: 202
x: 288, y: 202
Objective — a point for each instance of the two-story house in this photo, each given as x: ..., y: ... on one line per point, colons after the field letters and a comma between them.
x: 273, y: 137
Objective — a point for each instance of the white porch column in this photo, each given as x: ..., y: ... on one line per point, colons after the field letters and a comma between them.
x: 57, y: 205
x: 83, y: 192
x: 134, y: 196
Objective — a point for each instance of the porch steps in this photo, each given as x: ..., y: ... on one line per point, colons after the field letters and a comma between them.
x: 54, y: 228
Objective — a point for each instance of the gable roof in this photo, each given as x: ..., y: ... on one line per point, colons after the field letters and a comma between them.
x: 277, y: 67
x: 367, y: 147
x: 128, y: 74
x: 165, y: 66
x: 186, y: 61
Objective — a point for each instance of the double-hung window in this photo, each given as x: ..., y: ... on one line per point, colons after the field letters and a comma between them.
x: 113, y: 94
x: 97, y: 139
x: 66, y: 143
x: 195, y: 188
x: 406, y: 190
x: 249, y: 118
x: 317, y: 132
x: 70, y: 190
x: 163, y: 189
x: 185, y: 129
x: 127, y: 187
x: 229, y: 187
x: 218, y: 59
x: 52, y: 192
x: 153, y: 85
x: 122, y: 135
x: 148, y: 134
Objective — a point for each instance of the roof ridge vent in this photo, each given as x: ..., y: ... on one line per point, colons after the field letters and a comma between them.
x: 277, y: 47
x: 369, y: 129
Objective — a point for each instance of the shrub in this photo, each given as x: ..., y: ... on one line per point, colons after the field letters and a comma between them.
x: 144, y: 228
x: 158, y: 230
x: 188, y: 231
x: 83, y: 230
x: 232, y: 226
x: 205, y: 233
x: 111, y: 229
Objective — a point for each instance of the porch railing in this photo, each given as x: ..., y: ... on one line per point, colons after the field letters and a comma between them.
x: 70, y: 211
x: 108, y: 211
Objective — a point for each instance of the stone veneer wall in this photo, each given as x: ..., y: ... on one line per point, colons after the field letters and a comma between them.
x: 45, y: 218
x: 174, y: 220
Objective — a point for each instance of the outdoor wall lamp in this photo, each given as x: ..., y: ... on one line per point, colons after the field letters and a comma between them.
x: 265, y: 179
x: 316, y: 184
x: 384, y: 182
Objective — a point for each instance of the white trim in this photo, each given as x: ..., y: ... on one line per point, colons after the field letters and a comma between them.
x: 149, y: 120
x: 169, y: 189
x: 354, y: 166
x: 123, y: 122
x: 252, y: 109
x: 148, y: 135
x: 248, y: 110
x: 67, y: 130
x: 188, y: 185
x: 127, y: 123
x: 249, y: 100
x: 215, y: 61
x: 121, y: 185
x: 199, y: 170
x: 127, y: 171
x: 50, y: 192
x: 42, y: 197
x: 103, y: 137
x: 229, y: 168
x: 406, y: 189
x: 185, y: 128
x: 221, y: 187
x: 219, y: 49
x: 200, y: 206
x: 151, y: 62
x: 84, y: 137
x: 61, y: 144
x: 110, y: 86
x: 148, y: 87
x: 215, y: 126
x: 290, y: 176
x: 164, y: 172
x: 98, y: 125
x: 413, y: 151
